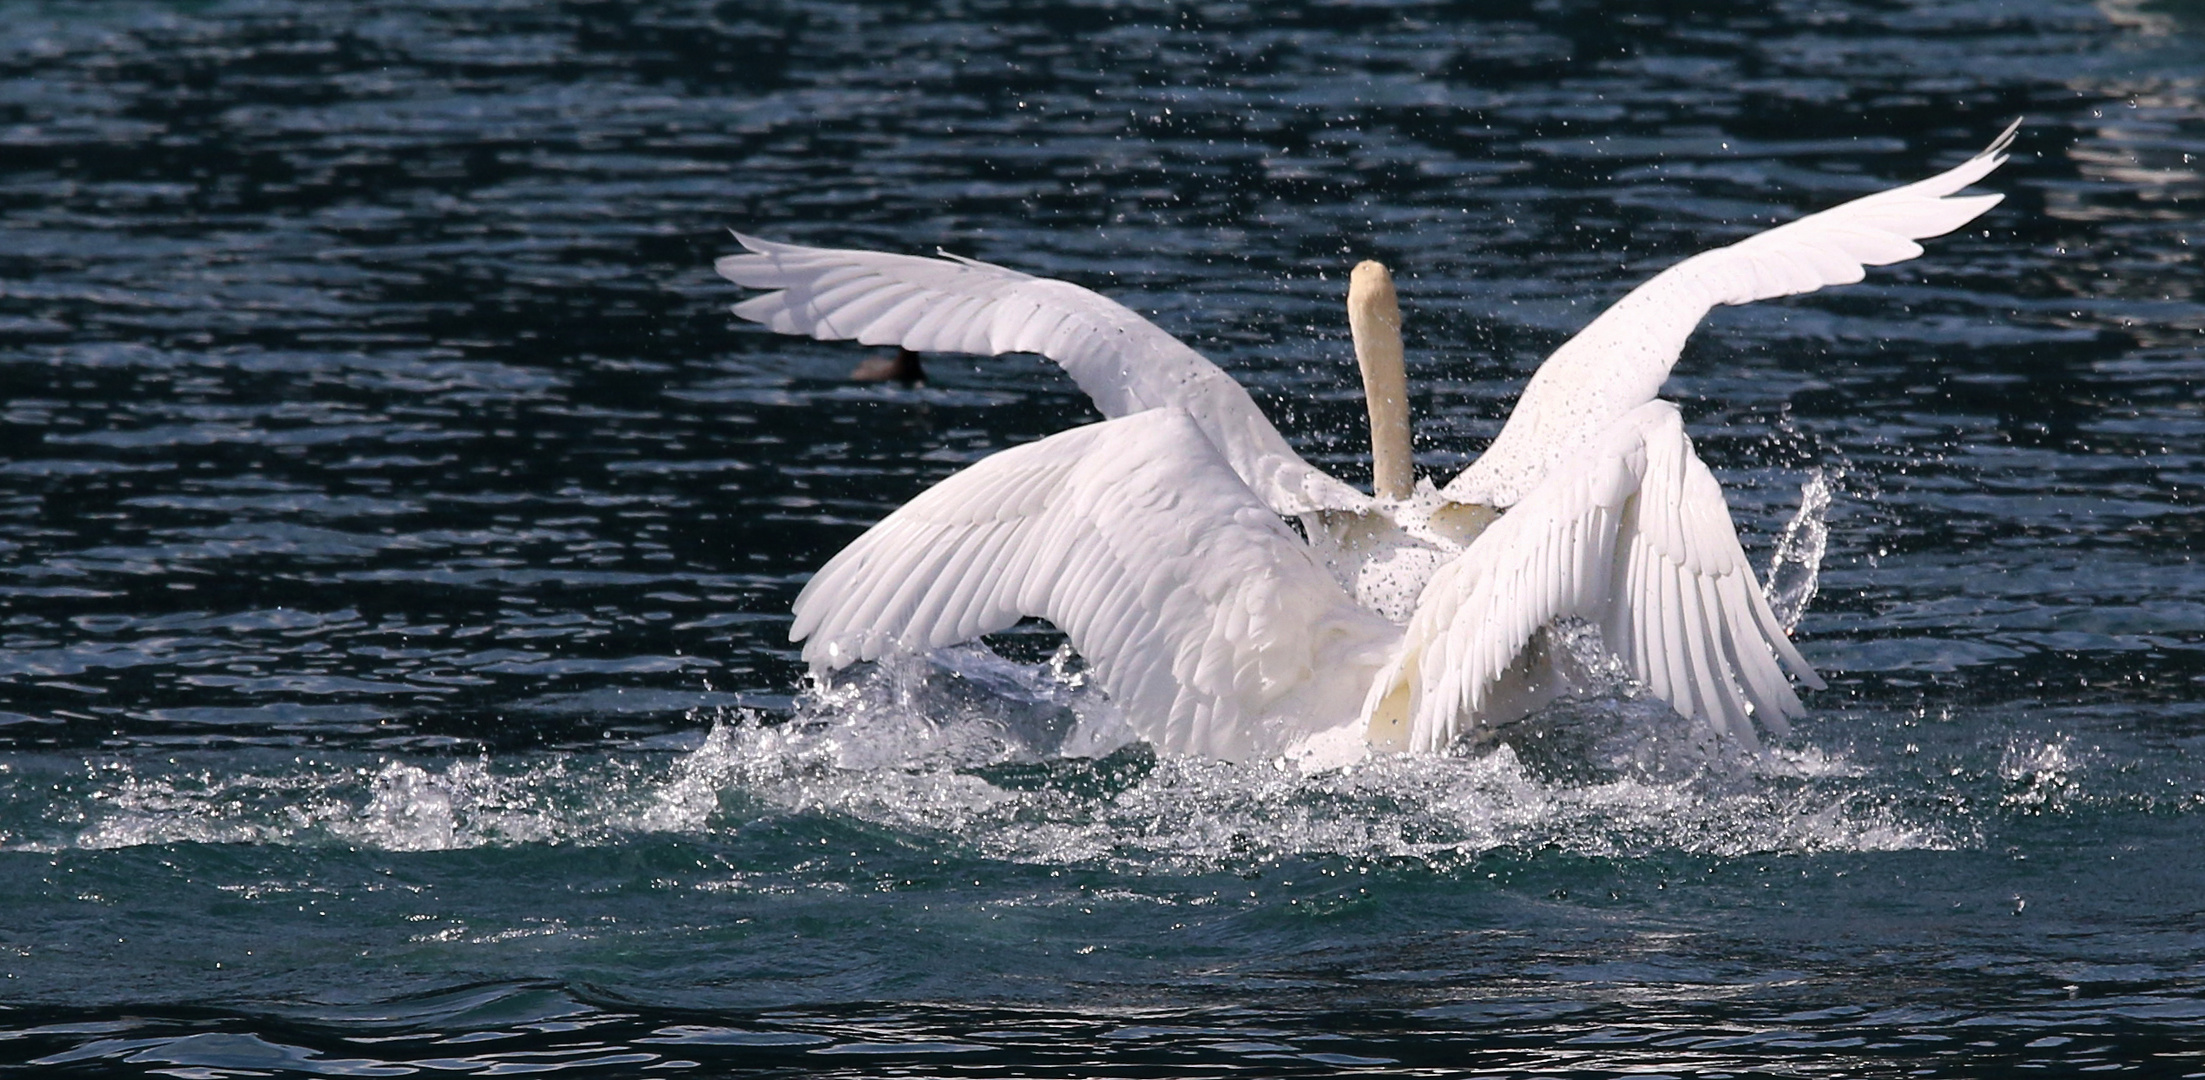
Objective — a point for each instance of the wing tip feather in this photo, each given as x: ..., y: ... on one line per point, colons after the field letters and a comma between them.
x: 2005, y: 140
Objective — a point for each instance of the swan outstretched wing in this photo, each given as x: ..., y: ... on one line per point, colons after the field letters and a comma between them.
x: 1621, y: 358
x: 952, y: 304
x: 1634, y: 537
x: 1197, y: 609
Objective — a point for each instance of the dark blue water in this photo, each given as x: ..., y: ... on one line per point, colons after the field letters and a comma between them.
x: 397, y: 535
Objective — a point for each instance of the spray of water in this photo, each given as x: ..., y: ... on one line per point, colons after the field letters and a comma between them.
x: 967, y: 752
x: 1795, y: 570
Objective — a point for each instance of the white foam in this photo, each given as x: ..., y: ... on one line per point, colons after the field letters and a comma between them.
x: 882, y: 747
x: 993, y: 757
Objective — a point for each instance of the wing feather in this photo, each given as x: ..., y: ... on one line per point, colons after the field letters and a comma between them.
x: 856, y: 301
x: 891, y: 327
x: 961, y: 584
x: 1196, y: 608
x: 1678, y: 683
x: 1636, y: 540
x: 1620, y: 359
x: 951, y: 304
x: 1764, y: 680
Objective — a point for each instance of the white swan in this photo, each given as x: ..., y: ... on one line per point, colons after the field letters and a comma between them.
x: 1155, y: 538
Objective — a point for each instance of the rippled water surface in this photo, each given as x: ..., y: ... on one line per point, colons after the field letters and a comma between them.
x: 397, y: 537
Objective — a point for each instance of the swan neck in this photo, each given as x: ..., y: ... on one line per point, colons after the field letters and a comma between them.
x: 1374, y: 317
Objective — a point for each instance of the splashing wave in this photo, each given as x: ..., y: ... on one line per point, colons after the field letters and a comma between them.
x: 1023, y: 764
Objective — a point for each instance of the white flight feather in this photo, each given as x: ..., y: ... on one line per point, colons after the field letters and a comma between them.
x: 952, y: 304
x: 1621, y: 358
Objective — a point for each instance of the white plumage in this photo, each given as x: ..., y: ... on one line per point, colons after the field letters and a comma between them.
x: 1154, y: 539
x: 1636, y: 540
x: 1621, y: 358
x: 952, y: 304
x: 1200, y: 611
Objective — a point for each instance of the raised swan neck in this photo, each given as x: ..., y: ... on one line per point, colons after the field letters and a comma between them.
x: 1374, y: 317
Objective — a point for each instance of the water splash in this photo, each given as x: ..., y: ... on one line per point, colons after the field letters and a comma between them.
x: 913, y: 748
x: 1134, y: 813
x: 1795, y: 569
x: 882, y: 751
x: 381, y: 804
x: 964, y: 705
x: 2040, y: 775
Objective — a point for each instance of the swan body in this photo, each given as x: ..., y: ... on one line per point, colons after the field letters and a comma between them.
x: 1156, y: 540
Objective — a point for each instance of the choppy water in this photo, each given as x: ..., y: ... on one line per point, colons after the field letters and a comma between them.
x: 396, y: 538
